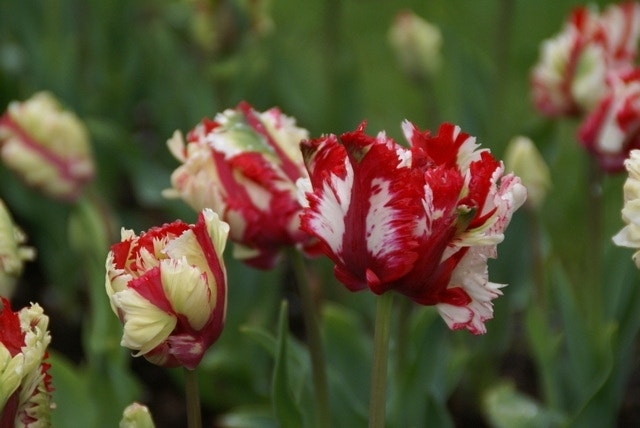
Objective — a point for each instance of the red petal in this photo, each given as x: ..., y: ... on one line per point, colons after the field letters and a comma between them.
x: 149, y: 286
x: 11, y: 335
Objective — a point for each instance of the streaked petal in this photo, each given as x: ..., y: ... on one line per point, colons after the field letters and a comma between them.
x: 145, y: 325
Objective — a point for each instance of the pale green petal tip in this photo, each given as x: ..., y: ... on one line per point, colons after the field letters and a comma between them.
x: 136, y: 415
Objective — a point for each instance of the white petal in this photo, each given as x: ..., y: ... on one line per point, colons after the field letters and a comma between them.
x: 145, y: 325
x: 187, y: 289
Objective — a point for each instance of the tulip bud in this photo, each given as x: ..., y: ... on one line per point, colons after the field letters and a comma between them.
x: 168, y: 287
x: 25, y: 385
x: 524, y: 160
x: 12, y: 253
x: 416, y: 43
x: 136, y: 416
x: 46, y: 146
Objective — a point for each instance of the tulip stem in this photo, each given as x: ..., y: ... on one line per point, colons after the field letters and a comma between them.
x: 194, y: 418
x: 314, y: 342
x: 594, y: 265
x: 378, y: 401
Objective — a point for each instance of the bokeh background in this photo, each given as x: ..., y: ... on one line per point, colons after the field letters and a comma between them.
x: 135, y: 71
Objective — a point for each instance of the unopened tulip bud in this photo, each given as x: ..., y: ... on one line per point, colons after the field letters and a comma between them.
x: 25, y: 385
x: 523, y: 158
x: 416, y: 43
x: 47, y: 146
x: 136, y: 416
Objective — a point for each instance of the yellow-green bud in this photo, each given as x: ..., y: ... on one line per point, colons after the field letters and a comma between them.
x: 47, y: 146
x: 523, y: 158
x: 136, y: 416
x: 416, y: 43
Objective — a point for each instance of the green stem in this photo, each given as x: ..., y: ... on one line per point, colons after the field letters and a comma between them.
x: 194, y: 418
x: 405, y: 309
x: 378, y: 401
x: 540, y: 294
x: 594, y: 257
x: 314, y: 342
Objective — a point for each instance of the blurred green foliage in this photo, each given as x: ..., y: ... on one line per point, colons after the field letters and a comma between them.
x: 135, y: 71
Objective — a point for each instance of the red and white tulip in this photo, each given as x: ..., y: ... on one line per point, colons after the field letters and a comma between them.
x: 570, y: 77
x: 47, y: 146
x: 244, y: 165
x: 168, y: 287
x: 420, y: 221
x: 25, y: 384
x: 612, y: 129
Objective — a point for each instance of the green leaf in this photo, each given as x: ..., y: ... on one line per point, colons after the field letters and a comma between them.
x: 507, y: 408
x: 285, y: 406
x: 348, y: 350
x: 255, y: 417
x: 74, y: 406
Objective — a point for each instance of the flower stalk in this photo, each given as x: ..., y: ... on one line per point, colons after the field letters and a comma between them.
x: 314, y: 342
x: 594, y: 224
x: 377, y: 403
x: 194, y: 418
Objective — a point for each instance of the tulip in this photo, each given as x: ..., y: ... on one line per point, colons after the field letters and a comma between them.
x: 12, y: 253
x: 523, y: 159
x: 25, y: 385
x: 629, y: 236
x: 168, y: 287
x: 570, y: 77
x: 416, y: 44
x: 244, y: 165
x: 47, y: 146
x: 421, y: 221
x: 612, y: 129
x: 136, y: 416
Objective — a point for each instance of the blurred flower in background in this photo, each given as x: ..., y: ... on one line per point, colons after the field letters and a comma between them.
x: 168, y: 287
x: 25, y: 385
x: 612, y: 129
x: 47, y: 146
x: 244, y: 165
x: 417, y: 45
x: 12, y: 253
x: 421, y: 221
x: 216, y: 26
x: 136, y: 415
x: 629, y: 236
x: 570, y: 76
x: 524, y: 160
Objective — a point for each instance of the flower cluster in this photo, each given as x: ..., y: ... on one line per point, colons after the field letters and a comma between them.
x: 588, y: 72
x: 612, y: 129
x: 168, y: 287
x: 244, y: 165
x: 25, y: 385
x: 421, y: 221
x: 571, y: 75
